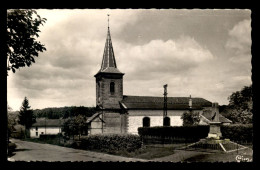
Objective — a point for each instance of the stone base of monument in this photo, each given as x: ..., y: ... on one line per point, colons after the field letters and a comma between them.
x: 214, y: 142
x: 214, y: 130
x: 214, y: 145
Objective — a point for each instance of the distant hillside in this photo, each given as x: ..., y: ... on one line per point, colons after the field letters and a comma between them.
x: 64, y: 112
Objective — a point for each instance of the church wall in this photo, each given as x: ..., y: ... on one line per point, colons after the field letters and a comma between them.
x: 137, y: 121
x: 135, y: 118
x: 112, y: 122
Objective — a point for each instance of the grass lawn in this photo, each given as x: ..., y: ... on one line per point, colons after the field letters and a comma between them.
x: 148, y: 151
x: 245, y: 155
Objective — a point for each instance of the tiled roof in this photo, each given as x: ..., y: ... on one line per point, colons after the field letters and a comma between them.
x: 41, y: 122
x: 93, y: 117
x: 110, y: 70
x: 109, y: 62
x: 208, y: 115
x: 151, y: 102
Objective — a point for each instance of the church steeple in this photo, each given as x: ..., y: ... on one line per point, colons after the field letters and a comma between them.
x: 109, y: 80
x: 108, y: 64
x: 108, y: 56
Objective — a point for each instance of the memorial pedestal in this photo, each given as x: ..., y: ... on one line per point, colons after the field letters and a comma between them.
x: 214, y: 130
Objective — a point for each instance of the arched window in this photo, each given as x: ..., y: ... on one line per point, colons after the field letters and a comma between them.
x: 112, y: 87
x: 166, y: 121
x: 146, y: 122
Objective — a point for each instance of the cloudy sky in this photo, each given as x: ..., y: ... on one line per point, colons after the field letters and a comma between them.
x: 203, y: 53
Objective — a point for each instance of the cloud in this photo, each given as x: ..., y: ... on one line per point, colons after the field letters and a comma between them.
x: 158, y: 57
x: 240, y: 38
x: 75, y: 39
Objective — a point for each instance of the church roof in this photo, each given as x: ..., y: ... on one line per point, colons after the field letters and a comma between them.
x: 108, y: 64
x: 151, y: 102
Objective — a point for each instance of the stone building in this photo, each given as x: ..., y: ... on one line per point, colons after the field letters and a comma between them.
x: 119, y: 113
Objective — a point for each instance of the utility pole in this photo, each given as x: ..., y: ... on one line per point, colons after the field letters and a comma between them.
x: 165, y: 101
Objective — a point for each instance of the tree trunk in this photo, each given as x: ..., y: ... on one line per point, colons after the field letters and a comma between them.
x: 27, y: 133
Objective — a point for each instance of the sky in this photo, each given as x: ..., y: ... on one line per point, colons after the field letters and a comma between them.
x: 202, y: 53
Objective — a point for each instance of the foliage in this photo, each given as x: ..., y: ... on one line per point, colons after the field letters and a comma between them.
x: 11, y: 148
x: 190, y: 118
x: 240, y: 116
x: 242, y: 99
x: 236, y: 132
x: 111, y: 142
x: 64, y: 112
x: 22, y: 29
x: 75, y: 126
x: 26, y: 116
x: 11, y: 120
x: 18, y: 132
x: 240, y: 108
x: 189, y: 133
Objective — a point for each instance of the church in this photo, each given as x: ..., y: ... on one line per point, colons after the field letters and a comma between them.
x: 119, y: 113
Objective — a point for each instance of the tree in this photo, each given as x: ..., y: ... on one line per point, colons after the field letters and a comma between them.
x: 22, y: 47
x: 74, y: 126
x: 242, y: 99
x: 26, y: 116
x: 11, y: 120
x: 241, y: 106
x: 190, y: 118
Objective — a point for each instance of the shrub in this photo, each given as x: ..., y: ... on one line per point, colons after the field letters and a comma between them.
x: 235, y: 132
x: 190, y: 133
x: 238, y: 132
x: 11, y: 148
x: 48, y: 136
x: 111, y: 142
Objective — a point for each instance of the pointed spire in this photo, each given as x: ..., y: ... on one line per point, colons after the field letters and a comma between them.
x: 109, y: 61
x: 108, y: 20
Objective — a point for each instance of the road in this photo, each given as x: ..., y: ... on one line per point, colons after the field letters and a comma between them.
x: 30, y: 151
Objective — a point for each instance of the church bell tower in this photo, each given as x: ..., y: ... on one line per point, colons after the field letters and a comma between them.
x: 109, y: 80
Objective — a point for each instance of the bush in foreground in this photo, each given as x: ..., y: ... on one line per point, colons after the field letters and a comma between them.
x: 111, y: 142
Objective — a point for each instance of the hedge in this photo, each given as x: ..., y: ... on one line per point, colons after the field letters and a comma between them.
x: 111, y: 142
x: 48, y: 136
x: 235, y: 132
x: 238, y: 132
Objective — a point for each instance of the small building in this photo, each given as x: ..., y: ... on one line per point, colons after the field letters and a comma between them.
x: 46, y: 126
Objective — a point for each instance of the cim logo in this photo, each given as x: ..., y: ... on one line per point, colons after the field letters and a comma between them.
x: 241, y: 158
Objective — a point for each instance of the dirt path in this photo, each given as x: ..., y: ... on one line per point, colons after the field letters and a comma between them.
x: 30, y: 151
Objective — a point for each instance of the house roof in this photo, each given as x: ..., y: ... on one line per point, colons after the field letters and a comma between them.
x: 174, y: 103
x: 93, y: 117
x: 222, y: 119
x: 41, y: 122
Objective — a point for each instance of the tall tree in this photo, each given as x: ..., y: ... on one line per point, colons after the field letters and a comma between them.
x: 26, y: 116
x: 241, y: 105
x: 22, y: 29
